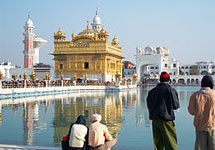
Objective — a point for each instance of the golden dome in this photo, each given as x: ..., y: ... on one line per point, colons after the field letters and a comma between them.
x: 87, y: 33
x: 59, y: 35
x: 103, y: 32
x: 73, y: 35
x: 115, y: 41
x: 135, y: 74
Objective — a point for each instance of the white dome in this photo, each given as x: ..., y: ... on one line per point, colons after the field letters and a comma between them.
x: 97, y: 20
x: 29, y: 23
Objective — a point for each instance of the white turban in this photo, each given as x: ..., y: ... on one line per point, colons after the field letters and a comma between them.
x: 96, y: 117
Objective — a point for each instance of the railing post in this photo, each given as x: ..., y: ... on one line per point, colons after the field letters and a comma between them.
x: 25, y: 77
x: 47, y: 79
x: 46, y: 83
x: 74, y: 82
x: 62, y: 83
x: 25, y: 83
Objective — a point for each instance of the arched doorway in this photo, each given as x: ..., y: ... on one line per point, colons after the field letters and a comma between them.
x: 181, y: 81
x: 148, y: 73
x: 188, y: 81
x: 192, y: 81
x: 197, y: 81
x: 146, y: 63
x: 173, y: 81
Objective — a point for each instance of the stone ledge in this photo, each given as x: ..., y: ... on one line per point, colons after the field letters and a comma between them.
x: 25, y: 147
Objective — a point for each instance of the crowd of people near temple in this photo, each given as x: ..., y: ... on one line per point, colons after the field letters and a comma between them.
x: 50, y: 83
x: 31, y: 83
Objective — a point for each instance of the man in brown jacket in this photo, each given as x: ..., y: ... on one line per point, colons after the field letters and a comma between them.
x: 202, y: 106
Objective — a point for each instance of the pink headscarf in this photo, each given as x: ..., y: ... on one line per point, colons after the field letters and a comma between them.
x: 96, y: 117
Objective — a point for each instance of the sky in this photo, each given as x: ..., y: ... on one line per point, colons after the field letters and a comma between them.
x: 186, y: 27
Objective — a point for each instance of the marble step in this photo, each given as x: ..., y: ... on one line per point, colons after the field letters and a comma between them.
x: 25, y: 147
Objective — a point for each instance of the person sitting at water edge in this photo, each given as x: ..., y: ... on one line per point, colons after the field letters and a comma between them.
x: 78, y: 134
x: 99, y: 136
x: 202, y: 106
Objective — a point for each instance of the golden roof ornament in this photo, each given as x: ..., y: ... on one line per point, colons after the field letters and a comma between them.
x: 33, y: 76
x: 1, y: 75
x: 14, y: 77
x: 115, y: 41
x: 104, y: 32
x: 59, y: 35
x: 47, y: 77
x: 73, y: 35
x: 87, y: 33
x: 88, y: 25
x: 25, y: 76
x: 134, y: 76
x: 103, y: 35
x: 75, y: 76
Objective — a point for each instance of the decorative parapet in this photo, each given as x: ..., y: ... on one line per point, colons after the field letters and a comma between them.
x: 164, y: 51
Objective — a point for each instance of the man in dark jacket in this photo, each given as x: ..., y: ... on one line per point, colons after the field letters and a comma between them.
x: 161, y: 101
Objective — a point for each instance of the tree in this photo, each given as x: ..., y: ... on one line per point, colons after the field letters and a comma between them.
x: 181, y: 72
x: 194, y: 70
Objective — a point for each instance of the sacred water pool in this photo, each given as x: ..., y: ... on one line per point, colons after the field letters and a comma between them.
x: 43, y: 120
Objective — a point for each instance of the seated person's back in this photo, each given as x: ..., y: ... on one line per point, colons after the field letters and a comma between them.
x: 99, y: 136
x: 78, y: 134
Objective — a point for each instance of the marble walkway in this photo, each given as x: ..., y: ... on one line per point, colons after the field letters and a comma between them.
x: 24, y: 147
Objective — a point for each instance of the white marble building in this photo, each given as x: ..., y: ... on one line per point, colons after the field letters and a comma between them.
x: 152, y: 61
x: 5, y: 68
x: 199, y: 68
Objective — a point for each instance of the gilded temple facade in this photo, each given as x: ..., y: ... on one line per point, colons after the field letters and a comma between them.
x: 67, y: 109
x: 89, y: 54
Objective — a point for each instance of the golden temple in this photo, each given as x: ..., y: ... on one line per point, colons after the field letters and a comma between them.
x: 89, y: 54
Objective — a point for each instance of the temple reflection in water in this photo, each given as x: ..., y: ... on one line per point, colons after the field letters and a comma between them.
x: 44, y: 120
x: 57, y: 112
x: 142, y: 116
x: 109, y: 105
x: 52, y: 115
x: 30, y: 120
